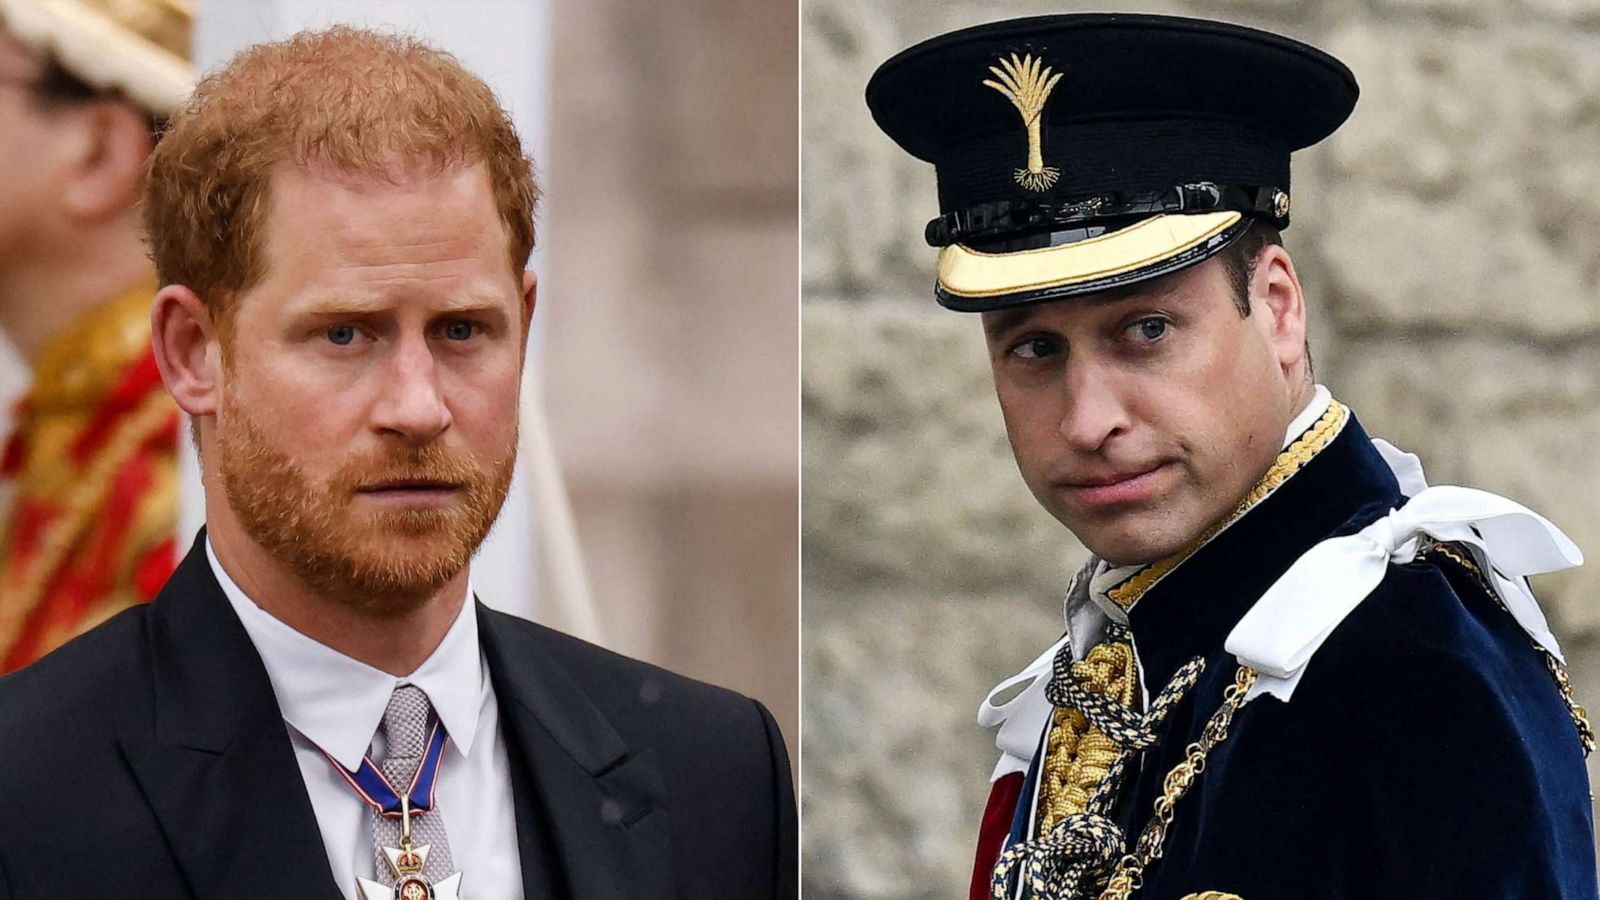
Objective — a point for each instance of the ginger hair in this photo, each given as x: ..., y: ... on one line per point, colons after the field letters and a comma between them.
x: 363, y: 103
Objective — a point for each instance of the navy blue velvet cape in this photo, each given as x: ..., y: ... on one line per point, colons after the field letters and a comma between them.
x: 1427, y: 752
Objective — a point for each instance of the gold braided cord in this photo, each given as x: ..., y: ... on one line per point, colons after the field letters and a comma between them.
x: 1087, y: 845
x: 1580, y: 715
x: 1129, y: 874
x: 1290, y: 461
x: 79, y: 509
x: 155, y: 521
x: 74, y: 376
x: 1077, y: 753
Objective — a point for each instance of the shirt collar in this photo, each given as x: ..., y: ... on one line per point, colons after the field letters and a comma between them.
x: 1320, y: 400
x: 337, y: 702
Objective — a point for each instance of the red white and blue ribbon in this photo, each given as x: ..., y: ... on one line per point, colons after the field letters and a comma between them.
x: 376, y: 789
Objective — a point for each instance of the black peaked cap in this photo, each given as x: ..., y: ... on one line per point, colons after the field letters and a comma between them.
x: 1134, y: 107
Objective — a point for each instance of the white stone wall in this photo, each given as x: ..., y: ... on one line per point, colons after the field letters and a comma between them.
x: 1449, y: 239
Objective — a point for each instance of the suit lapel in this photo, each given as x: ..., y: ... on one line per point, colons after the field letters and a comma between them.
x: 601, y: 802
x: 216, y: 766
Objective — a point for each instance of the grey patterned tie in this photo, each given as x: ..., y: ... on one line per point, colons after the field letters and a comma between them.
x: 405, y: 730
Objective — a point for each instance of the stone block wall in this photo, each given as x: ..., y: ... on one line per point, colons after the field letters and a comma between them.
x: 1449, y: 240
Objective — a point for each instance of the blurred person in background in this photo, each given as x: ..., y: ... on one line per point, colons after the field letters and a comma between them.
x: 1291, y: 668
x: 92, y: 459
x: 341, y: 223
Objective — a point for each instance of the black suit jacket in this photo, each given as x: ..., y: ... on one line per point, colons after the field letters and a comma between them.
x: 149, y: 758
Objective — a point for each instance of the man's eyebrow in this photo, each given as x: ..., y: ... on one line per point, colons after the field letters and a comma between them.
x: 472, y: 307
x: 1002, y: 322
x: 1139, y: 290
x: 1006, y: 320
x: 357, y: 306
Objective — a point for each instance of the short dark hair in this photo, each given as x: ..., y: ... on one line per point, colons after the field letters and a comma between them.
x: 1239, y: 264
x: 57, y: 87
x: 1239, y: 260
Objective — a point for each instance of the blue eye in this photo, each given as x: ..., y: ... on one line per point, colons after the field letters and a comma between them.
x: 1151, y: 329
x: 342, y: 334
x: 460, y: 331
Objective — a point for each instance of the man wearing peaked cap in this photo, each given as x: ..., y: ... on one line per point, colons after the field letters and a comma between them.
x: 1290, y: 668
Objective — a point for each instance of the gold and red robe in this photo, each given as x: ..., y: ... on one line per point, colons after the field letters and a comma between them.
x: 93, y: 460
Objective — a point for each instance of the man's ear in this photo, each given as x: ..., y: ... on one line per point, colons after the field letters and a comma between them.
x: 106, y: 169
x: 530, y: 294
x: 1275, y: 290
x: 185, y: 341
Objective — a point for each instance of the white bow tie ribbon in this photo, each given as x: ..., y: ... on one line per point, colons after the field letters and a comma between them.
x: 1282, y: 631
x: 1021, y: 719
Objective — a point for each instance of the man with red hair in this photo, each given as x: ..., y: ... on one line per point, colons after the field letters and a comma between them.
x: 314, y: 705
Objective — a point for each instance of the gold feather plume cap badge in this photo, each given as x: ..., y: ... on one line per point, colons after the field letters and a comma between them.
x: 1027, y: 82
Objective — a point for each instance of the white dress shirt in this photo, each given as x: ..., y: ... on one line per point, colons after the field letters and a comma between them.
x: 336, y: 703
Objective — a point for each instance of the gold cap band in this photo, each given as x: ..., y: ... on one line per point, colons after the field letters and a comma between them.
x: 964, y: 272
